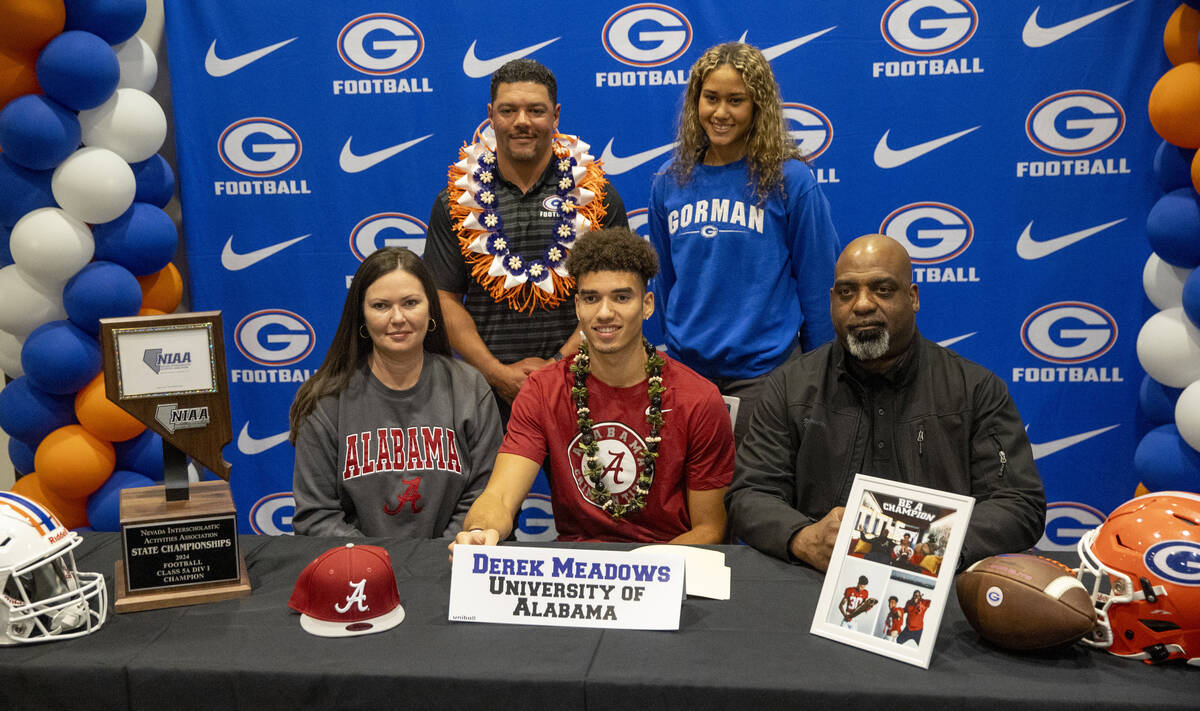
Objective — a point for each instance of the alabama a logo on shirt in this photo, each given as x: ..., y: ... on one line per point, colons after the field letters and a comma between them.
x: 620, y: 450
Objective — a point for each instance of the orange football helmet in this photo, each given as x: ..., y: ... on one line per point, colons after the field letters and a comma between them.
x: 1142, y: 567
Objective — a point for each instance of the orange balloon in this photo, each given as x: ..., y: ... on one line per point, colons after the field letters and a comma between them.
x: 1175, y: 106
x: 102, y: 417
x: 71, y: 513
x: 73, y: 462
x: 17, y: 75
x: 162, y: 290
x: 1196, y: 171
x: 145, y: 311
x: 1181, y: 35
x: 29, y: 24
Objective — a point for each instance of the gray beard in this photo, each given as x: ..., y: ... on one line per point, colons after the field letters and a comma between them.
x: 868, y: 348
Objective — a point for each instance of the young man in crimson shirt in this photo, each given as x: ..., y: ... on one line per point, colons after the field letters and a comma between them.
x: 852, y: 598
x: 914, y: 618
x: 609, y: 494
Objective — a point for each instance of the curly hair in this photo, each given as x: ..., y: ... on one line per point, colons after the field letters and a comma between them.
x: 525, y: 70
x: 350, y: 349
x: 768, y: 145
x: 615, y: 249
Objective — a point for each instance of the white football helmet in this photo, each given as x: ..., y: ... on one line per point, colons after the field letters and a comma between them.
x: 43, y: 596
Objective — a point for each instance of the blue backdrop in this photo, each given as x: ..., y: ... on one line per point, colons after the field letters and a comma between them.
x: 1005, y: 142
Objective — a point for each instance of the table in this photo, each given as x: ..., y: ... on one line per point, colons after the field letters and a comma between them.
x: 753, y: 651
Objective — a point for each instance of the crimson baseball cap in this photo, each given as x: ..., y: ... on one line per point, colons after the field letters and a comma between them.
x: 349, y: 590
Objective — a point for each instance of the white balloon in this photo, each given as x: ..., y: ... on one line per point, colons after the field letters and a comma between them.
x: 94, y: 184
x: 25, y: 306
x: 1187, y: 415
x: 139, y: 67
x: 1163, y: 282
x: 10, y: 355
x: 130, y: 124
x: 1168, y: 347
x: 51, y: 245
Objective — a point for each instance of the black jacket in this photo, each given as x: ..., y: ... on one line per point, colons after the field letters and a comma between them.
x: 935, y: 420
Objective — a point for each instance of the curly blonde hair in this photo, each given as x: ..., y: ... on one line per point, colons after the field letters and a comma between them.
x: 768, y: 145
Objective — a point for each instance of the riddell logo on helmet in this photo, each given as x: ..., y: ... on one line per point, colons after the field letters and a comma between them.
x: 58, y: 535
x: 643, y: 36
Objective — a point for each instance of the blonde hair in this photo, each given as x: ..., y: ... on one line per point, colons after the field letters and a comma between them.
x: 768, y: 145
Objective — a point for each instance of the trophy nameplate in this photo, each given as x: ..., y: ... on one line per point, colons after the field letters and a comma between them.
x: 179, y: 541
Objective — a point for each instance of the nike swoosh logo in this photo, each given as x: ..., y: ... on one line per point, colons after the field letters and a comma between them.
x: 1036, y: 36
x: 615, y: 165
x: 886, y: 157
x: 217, y: 67
x: 648, y: 410
x: 1045, y: 449
x: 233, y: 261
x: 352, y: 163
x: 475, y: 67
x: 778, y: 50
x: 1030, y: 249
x: 951, y: 341
x: 250, y: 445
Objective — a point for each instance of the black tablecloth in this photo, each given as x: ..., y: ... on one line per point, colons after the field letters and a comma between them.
x: 752, y: 651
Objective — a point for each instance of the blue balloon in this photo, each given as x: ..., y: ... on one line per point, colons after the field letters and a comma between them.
x: 142, y: 454
x: 114, y: 20
x: 29, y: 413
x: 101, y: 290
x: 21, y: 456
x: 1163, y: 461
x: 24, y: 191
x: 1158, y: 401
x: 38, y: 132
x: 104, y: 505
x: 1173, y: 228
x: 142, y: 240
x: 1191, y: 297
x: 1173, y: 166
x: 61, y: 358
x: 155, y: 181
x: 78, y: 70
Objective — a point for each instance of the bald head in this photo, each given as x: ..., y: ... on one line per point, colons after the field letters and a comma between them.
x: 873, y: 302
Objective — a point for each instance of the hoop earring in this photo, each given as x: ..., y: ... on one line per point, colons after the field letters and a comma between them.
x: 432, y: 326
x: 362, y: 331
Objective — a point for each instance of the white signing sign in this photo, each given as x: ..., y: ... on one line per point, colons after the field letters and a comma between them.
x: 566, y: 587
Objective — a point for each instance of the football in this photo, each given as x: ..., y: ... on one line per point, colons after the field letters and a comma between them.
x: 1025, y: 602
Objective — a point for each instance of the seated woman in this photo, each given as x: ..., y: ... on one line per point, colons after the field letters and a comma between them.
x: 393, y: 437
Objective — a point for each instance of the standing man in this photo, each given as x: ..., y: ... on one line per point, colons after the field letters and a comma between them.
x: 914, y: 619
x: 894, y: 620
x: 903, y: 550
x: 881, y: 400
x: 852, y: 599
x: 500, y: 232
x: 640, y: 445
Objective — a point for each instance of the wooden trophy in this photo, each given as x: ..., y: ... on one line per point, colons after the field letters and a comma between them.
x: 179, y: 541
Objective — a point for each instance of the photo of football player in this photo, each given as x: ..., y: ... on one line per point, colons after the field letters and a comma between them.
x: 855, y: 601
x: 914, y: 618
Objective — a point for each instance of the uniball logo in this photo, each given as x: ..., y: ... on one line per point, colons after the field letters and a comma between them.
x: 925, y: 28
x: 1075, y: 123
x: 259, y: 147
x: 396, y: 229
x: 1066, y: 522
x: 1069, y: 332
x: 647, y: 35
x: 815, y: 131
x: 274, y: 337
x: 932, y: 232
x: 272, y: 515
x: 380, y: 44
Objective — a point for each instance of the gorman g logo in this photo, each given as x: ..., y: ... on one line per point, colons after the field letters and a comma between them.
x: 932, y: 232
x: 398, y: 230
x: 815, y: 132
x: 647, y: 35
x: 1175, y: 561
x: 274, y: 337
x: 1075, y: 123
x: 925, y: 28
x: 1069, y: 332
x: 259, y: 147
x: 380, y: 44
x: 272, y: 514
